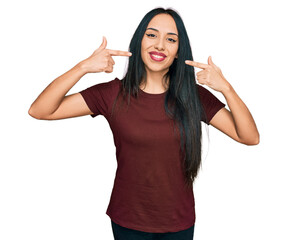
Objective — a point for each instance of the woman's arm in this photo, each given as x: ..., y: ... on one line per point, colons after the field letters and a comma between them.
x: 48, y: 105
x: 237, y: 123
x: 52, y: 103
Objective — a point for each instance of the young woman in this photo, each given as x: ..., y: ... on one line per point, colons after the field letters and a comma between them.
x: 155, y: 114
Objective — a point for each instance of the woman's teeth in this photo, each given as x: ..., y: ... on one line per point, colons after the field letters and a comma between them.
x: 157, y: 56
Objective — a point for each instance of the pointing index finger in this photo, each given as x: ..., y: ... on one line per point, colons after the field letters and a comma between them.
x: 119, y: 53
x: 196, y: 64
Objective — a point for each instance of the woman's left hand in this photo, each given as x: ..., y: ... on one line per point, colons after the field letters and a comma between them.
x: 211, y: 75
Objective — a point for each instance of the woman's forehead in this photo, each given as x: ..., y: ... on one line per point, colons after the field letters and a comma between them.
x: 163, y: 23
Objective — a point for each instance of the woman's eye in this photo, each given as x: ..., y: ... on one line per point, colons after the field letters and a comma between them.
x: 171, y: 40
x: 151, y: 35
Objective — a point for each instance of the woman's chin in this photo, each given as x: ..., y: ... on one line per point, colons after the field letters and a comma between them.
x: 155, y: 69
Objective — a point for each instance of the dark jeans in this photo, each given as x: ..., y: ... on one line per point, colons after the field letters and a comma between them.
x: 122, y: 233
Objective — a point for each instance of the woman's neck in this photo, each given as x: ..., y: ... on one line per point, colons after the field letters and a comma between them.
x: 155, y: 83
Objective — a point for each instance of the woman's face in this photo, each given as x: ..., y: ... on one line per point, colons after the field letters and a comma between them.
x: 160, y: 43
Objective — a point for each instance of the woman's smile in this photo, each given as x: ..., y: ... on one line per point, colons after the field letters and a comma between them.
x: 156, y: 56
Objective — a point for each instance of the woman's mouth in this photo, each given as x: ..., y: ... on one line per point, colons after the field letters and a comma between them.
x: 156, y: 56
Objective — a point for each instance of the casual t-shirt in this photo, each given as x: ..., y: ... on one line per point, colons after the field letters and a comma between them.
x: 149, y: 192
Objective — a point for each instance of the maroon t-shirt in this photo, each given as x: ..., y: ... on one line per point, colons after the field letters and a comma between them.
x: 149, y: 192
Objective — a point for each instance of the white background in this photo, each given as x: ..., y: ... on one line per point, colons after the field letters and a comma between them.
x: 56, y: 177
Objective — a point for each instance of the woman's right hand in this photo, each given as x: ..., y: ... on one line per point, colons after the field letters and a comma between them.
x: 52, y: 103
x: 101, y: 60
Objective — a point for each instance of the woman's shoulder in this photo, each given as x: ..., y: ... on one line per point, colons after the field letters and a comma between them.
x: 202, y: 90
x: 205, y: 94
x: 105, y: 89
x: 115, y: 83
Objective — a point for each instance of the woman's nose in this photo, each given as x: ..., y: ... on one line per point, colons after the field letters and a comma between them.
x: 160, y: 44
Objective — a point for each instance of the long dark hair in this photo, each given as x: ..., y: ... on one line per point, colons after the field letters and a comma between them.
x: 182, y: 102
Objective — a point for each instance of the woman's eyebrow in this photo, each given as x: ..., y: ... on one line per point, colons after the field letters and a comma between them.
x: 158, y: 31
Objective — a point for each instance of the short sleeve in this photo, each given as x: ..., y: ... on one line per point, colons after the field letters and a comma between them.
x: 98, y: 97
x: 211, y: 104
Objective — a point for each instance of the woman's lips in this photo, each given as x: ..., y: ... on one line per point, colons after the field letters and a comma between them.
x: 159, y: 57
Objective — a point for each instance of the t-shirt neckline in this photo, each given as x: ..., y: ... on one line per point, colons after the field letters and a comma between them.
x: 152, y: 95
x: 149, y: 95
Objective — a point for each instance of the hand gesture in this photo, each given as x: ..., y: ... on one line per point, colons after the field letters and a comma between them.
x: 101, y: 60
x: 211, y: 75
